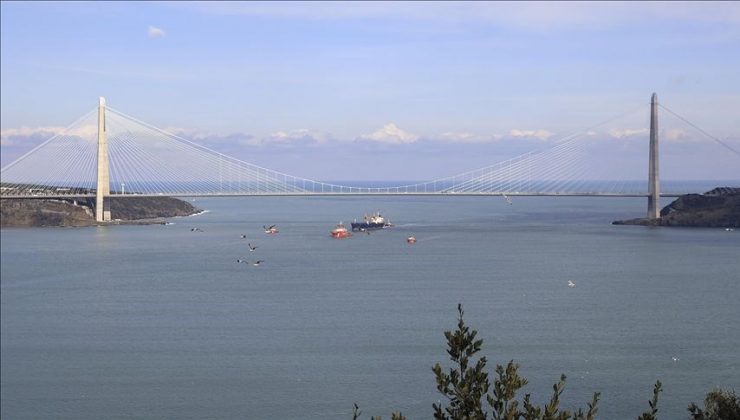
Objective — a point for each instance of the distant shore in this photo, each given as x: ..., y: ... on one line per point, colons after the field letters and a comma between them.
x: 719, y: 207
x: 80, y: 212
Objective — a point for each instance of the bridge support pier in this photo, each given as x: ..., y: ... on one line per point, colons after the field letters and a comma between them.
x: 102, y: 189
x: 653, y: 211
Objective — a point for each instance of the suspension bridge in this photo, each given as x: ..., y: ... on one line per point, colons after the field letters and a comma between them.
x: 107, y: 153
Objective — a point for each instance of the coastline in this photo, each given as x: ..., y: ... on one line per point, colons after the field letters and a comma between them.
x: 78, y: 213
x: 717, y: 208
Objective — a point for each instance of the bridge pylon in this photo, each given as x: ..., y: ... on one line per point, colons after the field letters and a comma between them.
x: 653, y: 171
x: 102, y: 188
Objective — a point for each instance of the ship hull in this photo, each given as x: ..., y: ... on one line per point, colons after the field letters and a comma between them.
x: 369, y: 226
x: 340, y: 232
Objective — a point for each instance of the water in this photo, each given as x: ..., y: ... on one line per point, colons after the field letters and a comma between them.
x: 161, y: 322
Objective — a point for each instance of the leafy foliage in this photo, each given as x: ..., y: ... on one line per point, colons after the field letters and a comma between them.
x: 505, y: 386
x: 718, y: 405
x: 653, y: 413
x: 466, y: 385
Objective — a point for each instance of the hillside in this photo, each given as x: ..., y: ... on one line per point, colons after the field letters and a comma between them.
x: 719, y: 207
x: 69, y: 212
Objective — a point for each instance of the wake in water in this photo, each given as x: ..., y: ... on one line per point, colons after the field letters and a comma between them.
x: 405, y: 225
x: 198, y: 214
x: 429, y: 238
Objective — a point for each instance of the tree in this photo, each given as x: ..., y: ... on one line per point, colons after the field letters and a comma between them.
x: 718, y: 405
x: 653, y: 413
x: 466, y: 383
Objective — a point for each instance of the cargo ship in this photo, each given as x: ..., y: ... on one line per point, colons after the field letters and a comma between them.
x: 372, y: 222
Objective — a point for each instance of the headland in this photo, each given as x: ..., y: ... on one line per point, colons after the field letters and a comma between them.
x: 719, y: 207
x: 80, y: 212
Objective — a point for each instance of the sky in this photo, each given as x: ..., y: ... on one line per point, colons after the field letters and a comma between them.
x: 380, y: 90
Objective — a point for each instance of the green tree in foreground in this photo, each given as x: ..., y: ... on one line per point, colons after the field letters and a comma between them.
x: 718, y: 405
x: 467, y: 388
x: 653, y: 413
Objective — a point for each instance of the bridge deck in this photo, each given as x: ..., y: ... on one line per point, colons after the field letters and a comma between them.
x: 338, y: 194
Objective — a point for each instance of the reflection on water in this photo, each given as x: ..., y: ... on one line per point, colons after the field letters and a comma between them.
x: 102, y: 235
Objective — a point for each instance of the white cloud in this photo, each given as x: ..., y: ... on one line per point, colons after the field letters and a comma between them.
x: 304, y: 135
x: 391, y: 133
x: 188, y: 133
x: 675, y: 134
x: 213, y: 140
x: 154, y: 32
x: 14, y: 136
x: 621, y: 133
x: 466, y: 137
x: 19, y: 136
x: 88, y: 132
x: 538, y: 134
x: 667, y: 134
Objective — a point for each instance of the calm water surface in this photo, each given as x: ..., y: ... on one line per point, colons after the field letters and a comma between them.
x: 161, y: 322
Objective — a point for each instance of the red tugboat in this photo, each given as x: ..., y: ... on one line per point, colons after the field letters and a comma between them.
x: 340, y: 232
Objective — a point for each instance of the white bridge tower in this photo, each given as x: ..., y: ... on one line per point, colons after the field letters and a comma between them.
x: 102, y: 188
x: 653, y: 174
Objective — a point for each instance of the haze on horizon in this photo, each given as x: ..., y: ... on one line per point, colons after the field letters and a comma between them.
x: 380, y: 91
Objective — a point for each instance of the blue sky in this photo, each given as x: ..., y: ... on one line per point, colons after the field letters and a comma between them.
x: 426, y: 89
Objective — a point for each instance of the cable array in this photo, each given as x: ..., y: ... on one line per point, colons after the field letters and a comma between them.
x: 146, y: 160
x: 65, y: 164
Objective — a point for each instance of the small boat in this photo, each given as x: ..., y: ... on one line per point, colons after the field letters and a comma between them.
x: 340, y: 232
x: 411, y: 239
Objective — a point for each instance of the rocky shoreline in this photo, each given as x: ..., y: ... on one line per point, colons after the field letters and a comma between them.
x: 719, y: 207
x: 80, y: 213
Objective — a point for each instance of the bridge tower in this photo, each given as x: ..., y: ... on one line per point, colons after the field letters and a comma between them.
x: 653, y: 174
x: 102, y: 188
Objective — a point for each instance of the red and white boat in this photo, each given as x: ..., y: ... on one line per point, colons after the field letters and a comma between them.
x: 411, y: 239
x: 340, y: 232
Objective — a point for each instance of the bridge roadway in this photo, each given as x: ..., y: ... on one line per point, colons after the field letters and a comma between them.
x: 339, y: 194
